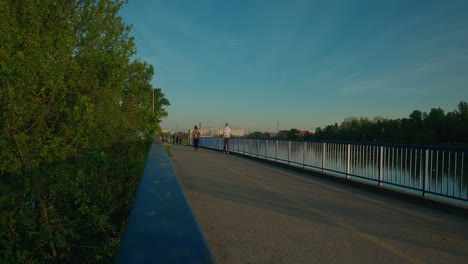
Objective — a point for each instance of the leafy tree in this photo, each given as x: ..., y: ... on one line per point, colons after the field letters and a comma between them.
x: 460, y: 118
x: 416, y: 119
x: 257, y: 134
x: 71, y: 102
x: 293, y: 133
x: 330, y: 132
x: 435, y: 125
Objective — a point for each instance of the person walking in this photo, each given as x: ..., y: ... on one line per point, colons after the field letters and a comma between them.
x: 196, y: 137
x: 226, y: 135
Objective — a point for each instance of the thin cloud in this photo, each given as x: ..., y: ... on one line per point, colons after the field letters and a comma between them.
x: 232, y: 42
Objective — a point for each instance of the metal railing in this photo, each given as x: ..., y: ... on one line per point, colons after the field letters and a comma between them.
x: 436, y: 172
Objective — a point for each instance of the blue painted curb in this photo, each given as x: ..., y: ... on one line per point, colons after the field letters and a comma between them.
x: 161, y: 226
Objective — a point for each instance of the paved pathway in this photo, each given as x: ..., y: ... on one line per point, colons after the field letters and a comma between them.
x: 252, y: 212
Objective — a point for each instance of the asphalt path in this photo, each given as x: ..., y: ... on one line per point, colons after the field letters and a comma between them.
x: 253, y: 212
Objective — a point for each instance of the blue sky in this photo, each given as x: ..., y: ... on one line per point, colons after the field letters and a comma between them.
x: 301, y: 64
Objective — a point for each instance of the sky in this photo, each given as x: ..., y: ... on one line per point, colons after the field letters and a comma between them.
x: 264, y: 65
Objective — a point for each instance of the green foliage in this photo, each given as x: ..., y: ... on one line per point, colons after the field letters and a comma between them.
x: 72, y: 101
x: 256, y: 134
x: 293, y: 133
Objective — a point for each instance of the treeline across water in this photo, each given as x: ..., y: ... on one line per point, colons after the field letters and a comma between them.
x: 77, y: 116
x: 433, y: 128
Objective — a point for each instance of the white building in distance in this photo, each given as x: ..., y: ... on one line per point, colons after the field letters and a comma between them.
x: 207, y: 131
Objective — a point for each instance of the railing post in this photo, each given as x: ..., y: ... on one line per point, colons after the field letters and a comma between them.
x: 381, y: 162
x: 348, y: 162
x: 276, y: 149
x: 324, y: 155
x: 258, y: 147
x: 304, y: 153
x: 461, y: 173
x: 426, y: 173
x: 289, y: 150
x: 243, y: 146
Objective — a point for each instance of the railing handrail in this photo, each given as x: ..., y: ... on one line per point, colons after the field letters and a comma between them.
x: 357, y: 143
x: 161, y: 226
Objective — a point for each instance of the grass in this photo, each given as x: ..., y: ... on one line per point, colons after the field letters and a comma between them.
x: 168, y: 150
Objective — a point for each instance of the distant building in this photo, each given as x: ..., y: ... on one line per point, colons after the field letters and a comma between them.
x: 286, y: 133
x: 207, y: 131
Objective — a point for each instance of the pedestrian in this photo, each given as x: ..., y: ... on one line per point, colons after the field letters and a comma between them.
x: 196, y: 137
x: 226, y: 136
